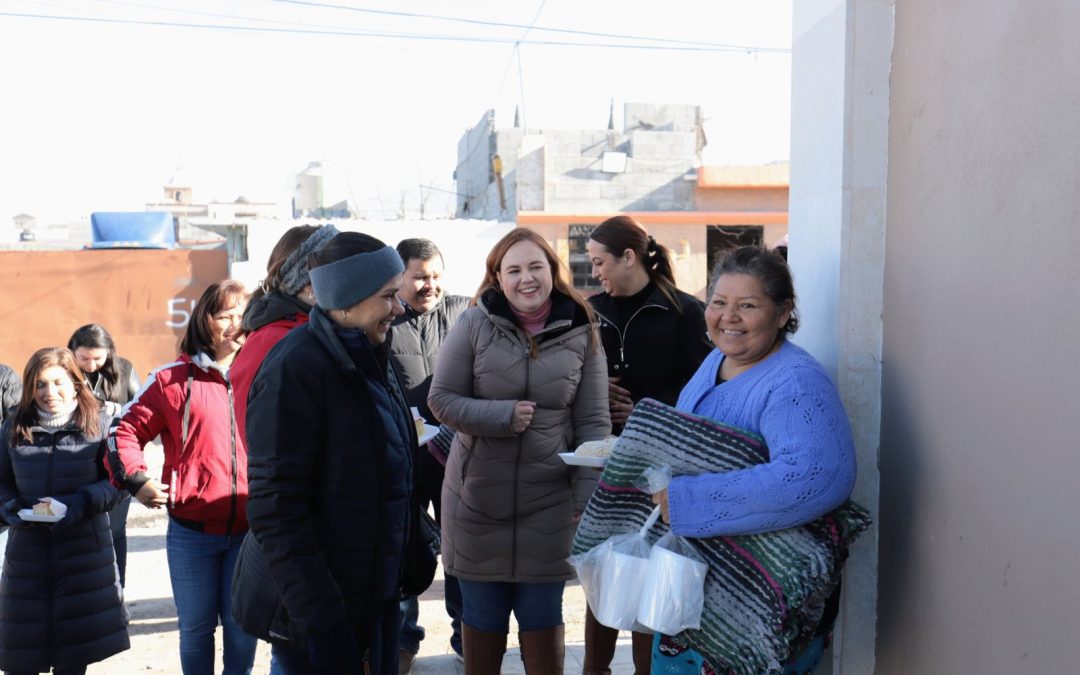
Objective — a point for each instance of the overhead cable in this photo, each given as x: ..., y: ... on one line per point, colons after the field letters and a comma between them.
x: 500, y: 24
x: 396, y: 36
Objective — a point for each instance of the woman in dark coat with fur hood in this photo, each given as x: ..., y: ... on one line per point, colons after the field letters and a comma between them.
x: 60, y: 600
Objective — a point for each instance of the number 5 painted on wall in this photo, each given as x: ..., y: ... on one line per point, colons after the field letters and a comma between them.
x: 177, y: 311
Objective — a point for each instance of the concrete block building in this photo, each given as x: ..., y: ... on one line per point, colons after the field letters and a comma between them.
x: 565, y: 182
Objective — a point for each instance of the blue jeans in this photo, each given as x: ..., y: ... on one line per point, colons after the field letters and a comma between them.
x: 201, y: 569
x: 488, y: 605
x: 412, y: 633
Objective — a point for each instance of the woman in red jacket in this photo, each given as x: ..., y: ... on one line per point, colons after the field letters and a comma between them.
x: 282, y: 302
x: 190, y: 404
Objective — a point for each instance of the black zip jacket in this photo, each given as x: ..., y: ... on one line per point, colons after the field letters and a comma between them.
x: 658, y: 349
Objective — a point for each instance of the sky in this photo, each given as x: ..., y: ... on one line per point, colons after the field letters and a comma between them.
x: 98, y: 113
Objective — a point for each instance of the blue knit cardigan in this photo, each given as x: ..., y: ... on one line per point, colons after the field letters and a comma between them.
x: 790, y: 400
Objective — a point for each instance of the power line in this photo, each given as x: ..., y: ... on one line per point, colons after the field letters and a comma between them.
x: 499, y: 24
x: 397, y: 36
x: 216, y: 15
x: 517, y: 52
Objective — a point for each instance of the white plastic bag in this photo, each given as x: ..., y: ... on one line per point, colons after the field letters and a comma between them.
x: 673, y: 592
x: 613, y: 574
x: 586, y: 566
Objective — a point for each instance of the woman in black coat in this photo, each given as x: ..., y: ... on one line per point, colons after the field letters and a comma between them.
x: 113, y: 381
x: 330, y: 447
x: 60, y: 597
x: 654, y: 338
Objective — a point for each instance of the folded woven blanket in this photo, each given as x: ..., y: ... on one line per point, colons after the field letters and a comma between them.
x: 765, y: 593
x: 439, y: 447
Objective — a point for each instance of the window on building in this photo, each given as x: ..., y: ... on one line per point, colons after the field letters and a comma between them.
x: 580, y: 266
x: 722, y: 237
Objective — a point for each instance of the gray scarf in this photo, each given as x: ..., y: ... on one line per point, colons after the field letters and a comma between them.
x: 294, y: 272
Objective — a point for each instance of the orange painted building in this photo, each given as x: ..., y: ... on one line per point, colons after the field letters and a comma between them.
x: 741, y: 204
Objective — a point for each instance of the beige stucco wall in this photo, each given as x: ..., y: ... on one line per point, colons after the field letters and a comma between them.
x: 980, y: 458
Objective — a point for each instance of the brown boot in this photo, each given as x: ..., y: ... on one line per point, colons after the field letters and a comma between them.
x: 642, y: 648
x: 483, y: 651
x: 599, y: 646
x: 543, y: 651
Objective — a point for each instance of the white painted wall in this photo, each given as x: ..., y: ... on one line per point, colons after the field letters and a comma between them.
x: 464, y: 245
x: 842, y: 52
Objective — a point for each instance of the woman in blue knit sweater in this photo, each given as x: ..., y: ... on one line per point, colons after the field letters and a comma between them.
x: 756, y: 380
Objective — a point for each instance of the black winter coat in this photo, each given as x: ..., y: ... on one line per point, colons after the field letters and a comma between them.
x: 126, y: 386
x: 321, y: 493
x: 415, y: 348
x: 659, y: 349
x: 60, y: 600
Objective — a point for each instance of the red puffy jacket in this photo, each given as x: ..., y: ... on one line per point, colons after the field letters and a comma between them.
x: 206, y: 471
x: 245, y: 366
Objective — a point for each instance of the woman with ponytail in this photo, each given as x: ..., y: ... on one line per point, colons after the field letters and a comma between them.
x: 654, y: 337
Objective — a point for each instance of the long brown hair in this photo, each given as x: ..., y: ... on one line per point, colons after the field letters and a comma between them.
x: 560, y: 276
x: 619, y: 233
x: 86, y: 410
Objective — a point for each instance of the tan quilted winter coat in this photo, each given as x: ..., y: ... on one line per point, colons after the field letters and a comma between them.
x: 509, y: 501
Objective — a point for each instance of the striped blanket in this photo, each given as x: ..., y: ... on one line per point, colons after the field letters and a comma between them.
x: 764, y: 593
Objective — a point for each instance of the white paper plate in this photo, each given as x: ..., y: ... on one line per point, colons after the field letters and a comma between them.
x: 575, y: 460
x: 430, y: 432
x: 29, y: 516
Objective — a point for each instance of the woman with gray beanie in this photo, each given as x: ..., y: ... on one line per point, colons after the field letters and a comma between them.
x: 330, y: 476
x: 281, y: 303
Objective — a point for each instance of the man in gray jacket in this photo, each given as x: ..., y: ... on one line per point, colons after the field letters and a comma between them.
x: 414, y: 347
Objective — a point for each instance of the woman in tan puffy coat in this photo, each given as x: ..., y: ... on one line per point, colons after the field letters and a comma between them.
x: 521, y: 377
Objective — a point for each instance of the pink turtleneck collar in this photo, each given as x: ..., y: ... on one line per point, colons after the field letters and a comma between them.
x: 533, y: 322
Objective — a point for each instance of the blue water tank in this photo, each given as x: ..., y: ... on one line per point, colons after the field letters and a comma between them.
x: 132, y: 229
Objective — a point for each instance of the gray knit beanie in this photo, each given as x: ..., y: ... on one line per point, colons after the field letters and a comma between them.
x: 343, y: 283
x: 294, y: 271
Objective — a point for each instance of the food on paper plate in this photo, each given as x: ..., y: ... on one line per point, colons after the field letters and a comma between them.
x: 43, y: 509
x: 600, y: 448
x: 418, y: 421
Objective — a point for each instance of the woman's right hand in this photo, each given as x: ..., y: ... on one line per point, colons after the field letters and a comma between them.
x: 153, y: 495
x: 522, y: 417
